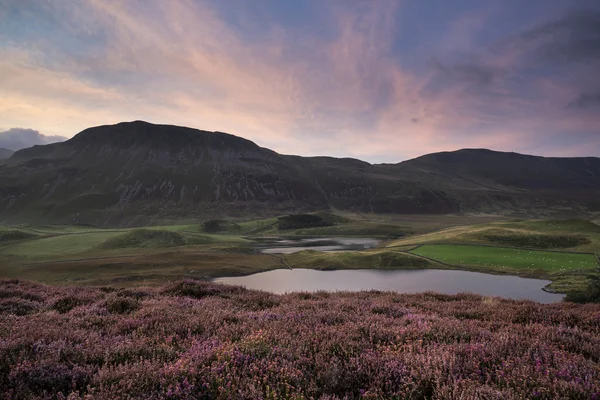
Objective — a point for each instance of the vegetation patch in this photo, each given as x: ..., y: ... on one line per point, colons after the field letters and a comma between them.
x: 299, y: 221
x: 67, y: 303
x: 200, y: 290
x: 332, y: 218
x: 591, y: 294
x: 537, y: 241
x: 17, y: 306
x: 573, y: 225
x: 11, y: 235
x: 354, y: 260
x: 220, y: 225
x: 145, y: 238
x: 581, y: 235
x: 243, y: 344
x: 499, y: 257
x: 236, y: 249
x: 121, y: 305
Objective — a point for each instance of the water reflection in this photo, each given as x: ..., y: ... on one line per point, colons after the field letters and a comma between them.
x: 402, y: 281
x: 288, y: 246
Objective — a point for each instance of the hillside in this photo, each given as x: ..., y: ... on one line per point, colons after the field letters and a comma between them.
x: 512, y: 170
x: 138, y: 173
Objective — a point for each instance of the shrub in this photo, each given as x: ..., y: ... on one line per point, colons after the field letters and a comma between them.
x: 67, y: 303
x: 299, y: 221
x: 8, y: 293
x: 17, y: 306
x: 6, y: 236
x: 590, y: 295
x: 121, y: 305
x: 139, y: 238
x: 332, y: 218
x: 220, y: 225
x: 198, y: 289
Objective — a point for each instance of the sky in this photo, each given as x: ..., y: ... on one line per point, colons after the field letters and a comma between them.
x: 378, y: 80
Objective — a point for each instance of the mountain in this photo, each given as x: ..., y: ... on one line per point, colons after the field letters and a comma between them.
x: 138, y: 173
x: 5, y: 153
x: 513, y: 170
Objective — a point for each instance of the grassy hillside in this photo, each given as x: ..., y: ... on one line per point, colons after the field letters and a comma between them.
x: 572, y: 235
x: 377, y: 259
x: 207, y: 341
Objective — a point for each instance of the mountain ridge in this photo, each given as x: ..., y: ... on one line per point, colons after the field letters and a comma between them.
x: 137, y: 173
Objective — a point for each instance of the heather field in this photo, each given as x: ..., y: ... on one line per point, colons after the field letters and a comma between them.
x: 193, y: 340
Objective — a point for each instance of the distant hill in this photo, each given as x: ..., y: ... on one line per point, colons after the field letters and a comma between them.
x: 5, y: 153
x: 513, y: 170
x: 137, y: 173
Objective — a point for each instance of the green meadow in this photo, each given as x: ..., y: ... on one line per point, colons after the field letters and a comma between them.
x: 510, y: 258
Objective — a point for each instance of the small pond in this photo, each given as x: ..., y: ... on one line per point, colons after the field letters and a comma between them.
x: 402, y: 281
x: 288, y: 246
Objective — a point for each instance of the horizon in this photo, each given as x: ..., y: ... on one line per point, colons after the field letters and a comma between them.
x: 390, y: 80
x: 323, y: 155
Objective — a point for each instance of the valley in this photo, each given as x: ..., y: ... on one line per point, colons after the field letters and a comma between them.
x: 560, y: 251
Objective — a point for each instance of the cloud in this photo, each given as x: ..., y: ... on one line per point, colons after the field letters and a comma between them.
x: 574, y: 37
x: 479, y: 75
x: 19, y: 138
x: 297, y: 88
x: 586, y: 100
x: 471, y: 75
x: 515, y: 89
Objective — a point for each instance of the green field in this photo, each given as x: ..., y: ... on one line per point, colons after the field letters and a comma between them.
x: 500, y: 257
x: 94, y: 242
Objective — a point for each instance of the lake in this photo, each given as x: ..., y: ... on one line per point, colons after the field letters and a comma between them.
x: 288, y: 246
x: 402, y: 281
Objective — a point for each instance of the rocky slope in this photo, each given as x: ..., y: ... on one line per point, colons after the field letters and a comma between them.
x: 138, y: 173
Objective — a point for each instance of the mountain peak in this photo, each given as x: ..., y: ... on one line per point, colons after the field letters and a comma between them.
x: 146, y: 134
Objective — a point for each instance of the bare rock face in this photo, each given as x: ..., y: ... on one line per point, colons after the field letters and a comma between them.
x: 140, y: 173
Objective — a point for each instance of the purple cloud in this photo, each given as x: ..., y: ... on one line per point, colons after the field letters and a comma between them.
x: 20, y: 138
